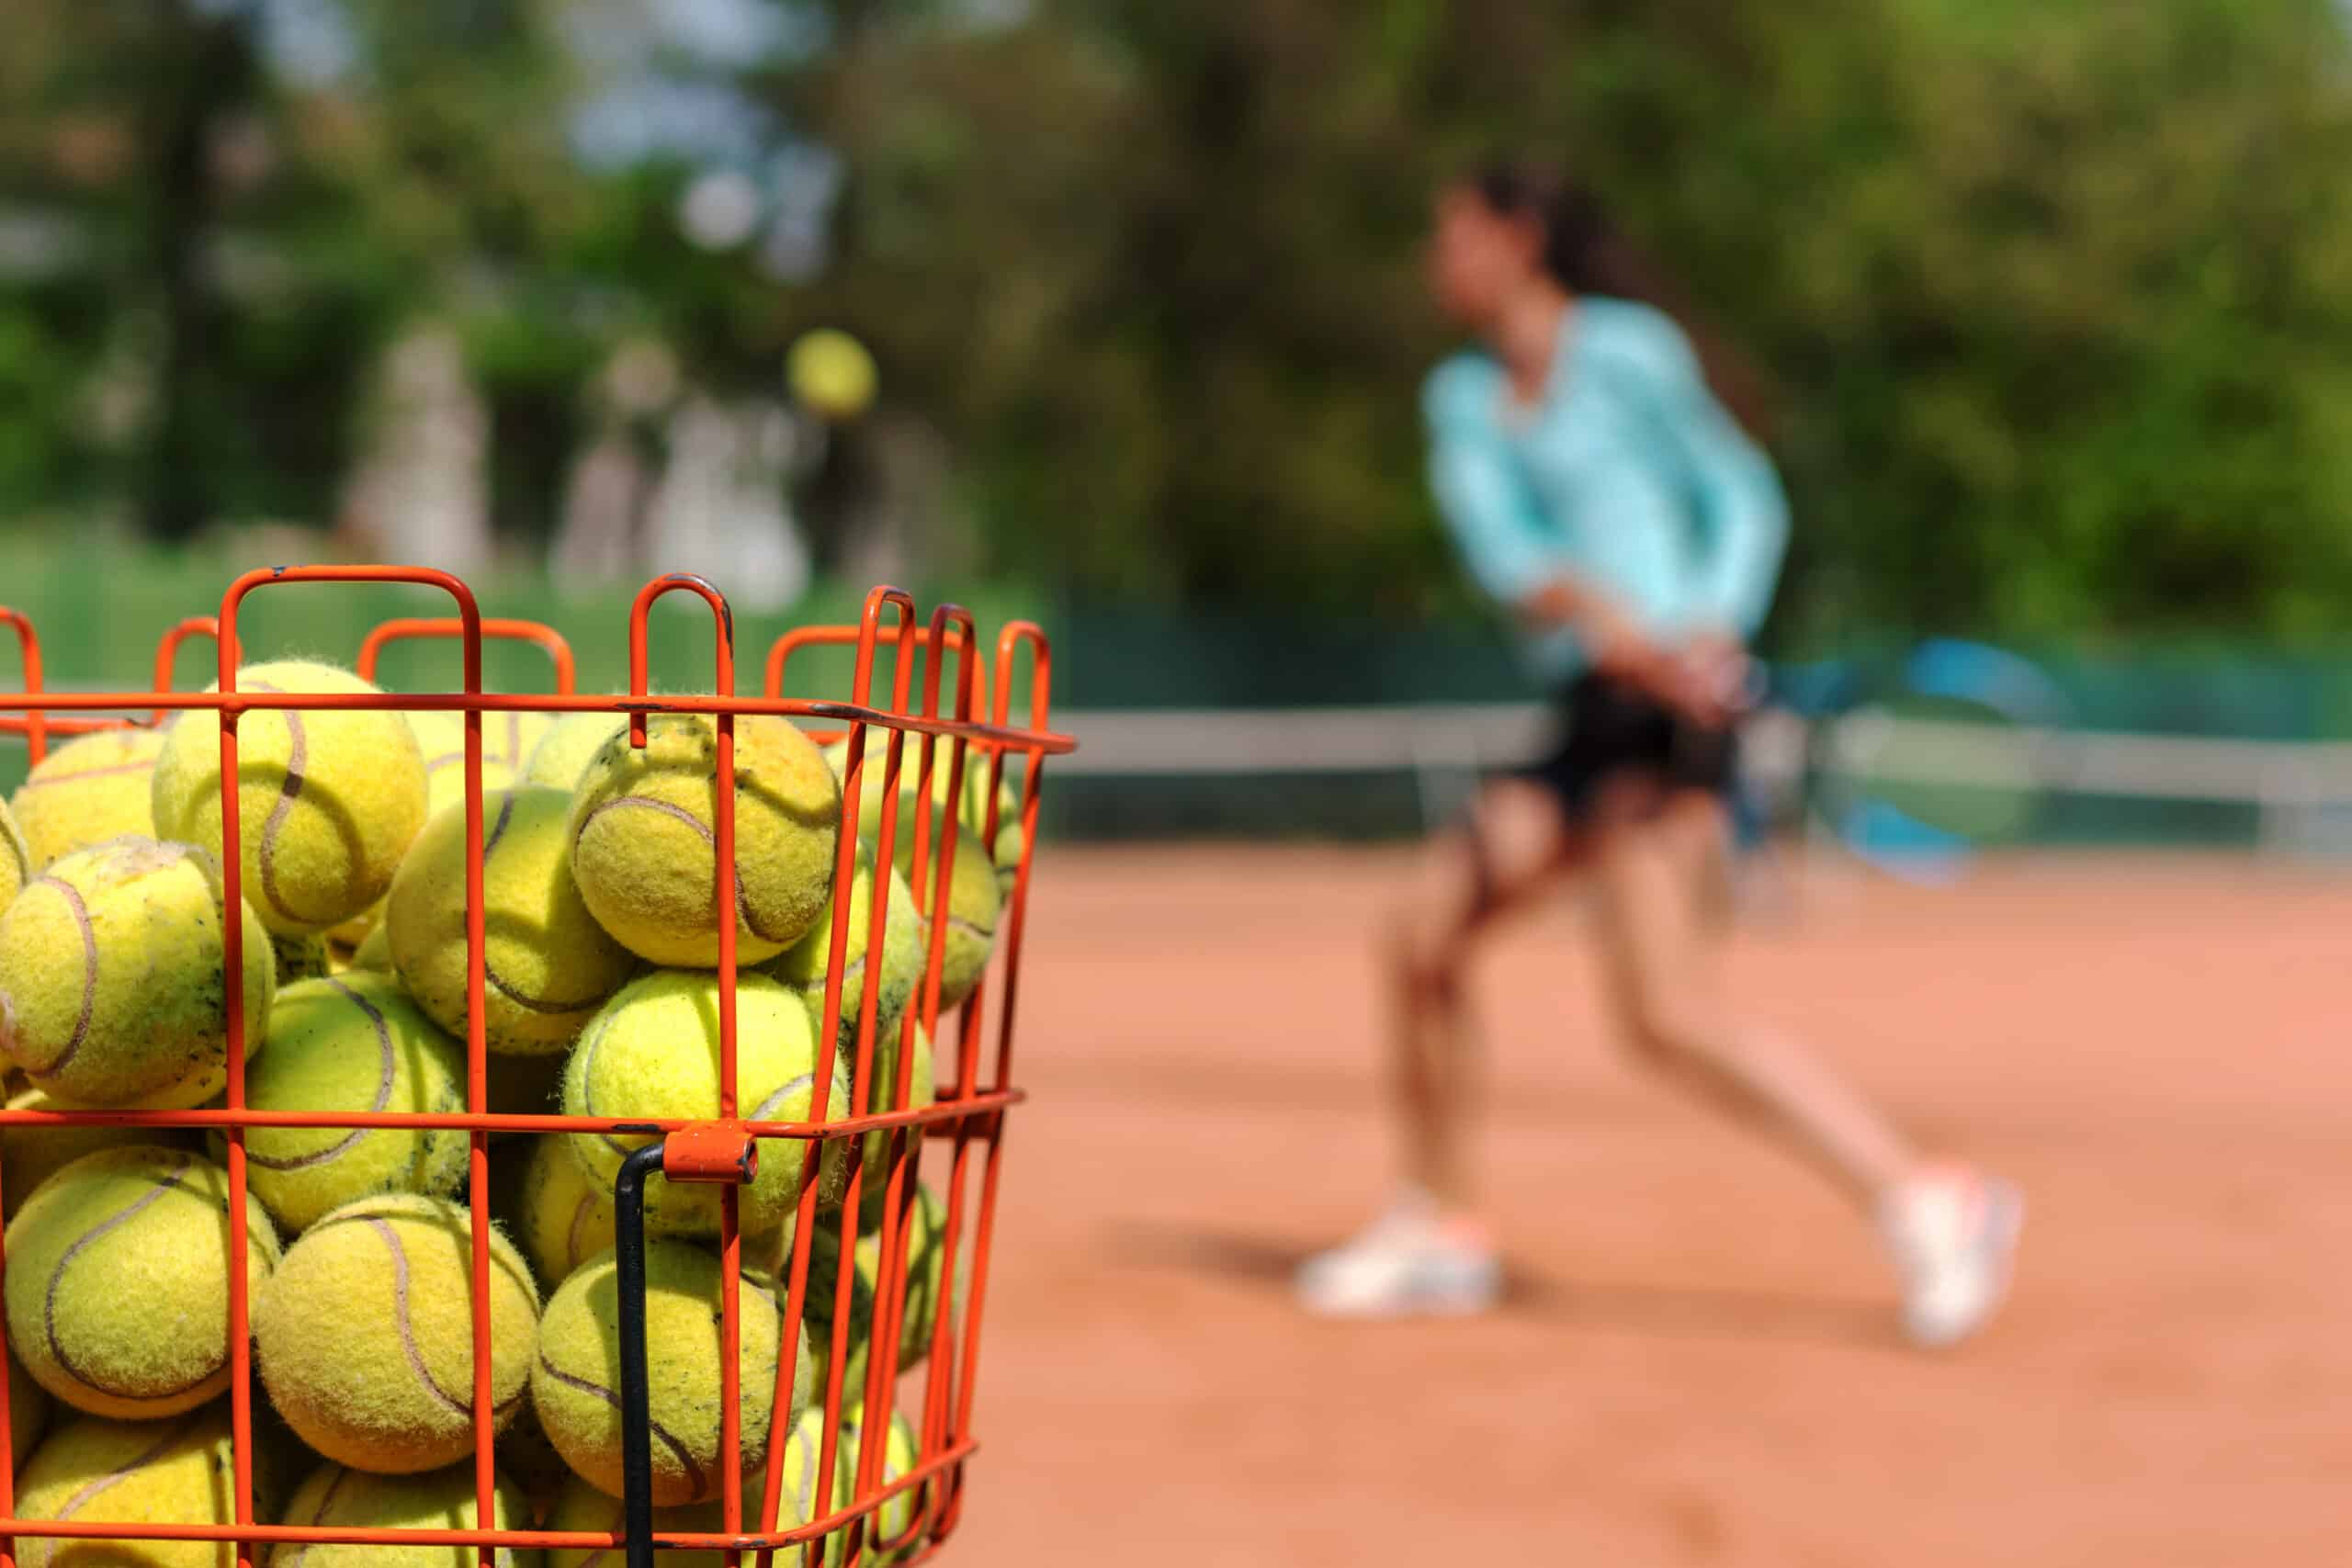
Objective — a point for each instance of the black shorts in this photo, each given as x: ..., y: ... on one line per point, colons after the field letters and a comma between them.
x: 1608, y: 730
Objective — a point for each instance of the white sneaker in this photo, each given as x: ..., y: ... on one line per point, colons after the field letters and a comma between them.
x: 1953, y: 1232
x: 1408, y: 1262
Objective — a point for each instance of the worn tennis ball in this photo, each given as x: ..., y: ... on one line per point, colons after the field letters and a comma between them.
x: 507, y: 738
x: 337, y: 1497
x: 653, y: 1052
x: 567, y: 746
x: 15, y: 859
x: 563, y: 1220
x: 1005, y: 852
x: 644, y: 851
x: 30, y: 1155
x: 28, y: 1413
x: 178, y: 1471
x: 352, y: 1041
x: 802, y: 965
x: 327, y: 801
x: 92, y: 788
x: 576, y: 1382
x: 366, y: 1334
x: 972, y: 909
x: 546, y: 964
x: 923, y: 1224
x: 886, y: 1526
x: 110, y: 988
x: 118, y: 1291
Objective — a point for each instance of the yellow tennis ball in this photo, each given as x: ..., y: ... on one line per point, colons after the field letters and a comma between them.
x: 566, y: 747
x: 15, y: 859
x: 882, y: 1088
x: 91, y: 789
x: 563, y: 1220
x: 28, y: 1413
x: 922, y: 1223
x: 548, y: 965
x: 352, y: 1041
x: 336, y: 1497
x: 643, y: 845
x: 30, y: 1155
x: 576, y: 1382
x: 118, y: 1292
x: 886, y: 1526
x: 110, y: 991
x: 506, y: 741
x: 973, y: 905
x: 1005, y: 852
x: 366, y: 1334
x: 179, y: 1471
x: 802, y: 965
x: 580, y: 1506
x: 653, y: 1052
x: 831, y: 373
x: 327, y: 801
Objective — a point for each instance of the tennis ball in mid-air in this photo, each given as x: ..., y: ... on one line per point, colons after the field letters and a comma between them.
x: 575, y: 1383
x: 352, y: 1041
x: 118, y: 1292
x: 91, y: 789
x: 178, y: 1471
x: 831, y: 373
x: 327, y: 800
x: 566, y: 747
x: 366, y: 1334
x: 653, y: 1053
x: 922, y: 1223
x: 110, y: 991
x: 887, y: 1527
x: 548, y: 965
x: 563, y: 1220
x: 30, y: 1155
x: 580, y: 1506
x: 15, y: 859
x: 336, y: 1497
x: 802, y: 965
x: 644, y: 846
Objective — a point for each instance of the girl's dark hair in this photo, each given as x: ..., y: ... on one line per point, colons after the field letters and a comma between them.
x: 1586, y: 254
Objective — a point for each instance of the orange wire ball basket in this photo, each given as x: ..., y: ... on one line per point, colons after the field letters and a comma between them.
x: 956, y: 728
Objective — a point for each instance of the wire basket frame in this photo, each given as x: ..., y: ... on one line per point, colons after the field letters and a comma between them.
x: 968, y: 1111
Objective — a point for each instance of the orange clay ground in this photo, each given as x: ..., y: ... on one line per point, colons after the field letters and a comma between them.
x: 1695, y: 1365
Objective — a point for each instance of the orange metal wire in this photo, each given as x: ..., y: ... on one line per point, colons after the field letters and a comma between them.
x: 721, y: 1149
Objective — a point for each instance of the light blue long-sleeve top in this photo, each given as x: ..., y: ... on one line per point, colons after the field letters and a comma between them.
x: 1628, y: 476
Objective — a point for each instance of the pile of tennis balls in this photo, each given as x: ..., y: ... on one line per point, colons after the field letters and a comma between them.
x: 601, y: 911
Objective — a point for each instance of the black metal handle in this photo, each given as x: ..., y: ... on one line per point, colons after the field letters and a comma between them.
x: 637, y: 1394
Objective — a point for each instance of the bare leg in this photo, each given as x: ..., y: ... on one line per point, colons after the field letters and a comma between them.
x: 1514, y: 844
x: 1663, y: 973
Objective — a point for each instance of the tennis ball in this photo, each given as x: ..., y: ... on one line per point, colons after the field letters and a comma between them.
x: 802, y: 968
x: 653, y: 1052
x: 366, y: 1334
x: 563, y: 1220
x: 118, y: 1291
x: 924, y: 1222
x: 581, y: 1507
x: 299, y: 957
x: 922, y: 1089
x: 91, y: 789
x: 30, y: 1155
x: 642, y: 843
x: 972, y: 907
x: 831, y: 373
x: 884, y: 1526
x: 566, y: 747
x: 336, y: 1497
x: 327, y: 801
x: 352, y: 1041
x: 15, y: 859
x: 110, y: 990
x: 177, y: 1471
x: 1005, y: 852
x: 576, y: 1382
x: 546, y: 964
x: 28, y: 1413
x: 506, y: 743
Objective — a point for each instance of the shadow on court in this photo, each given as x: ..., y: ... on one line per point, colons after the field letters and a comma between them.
x: 1610, y: 1305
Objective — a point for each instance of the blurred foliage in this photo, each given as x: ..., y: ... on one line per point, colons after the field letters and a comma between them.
x: 2056, y: 298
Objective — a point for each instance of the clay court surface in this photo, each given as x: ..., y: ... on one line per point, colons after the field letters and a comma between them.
x: 1696, y: 1364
